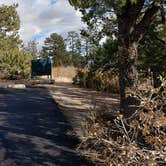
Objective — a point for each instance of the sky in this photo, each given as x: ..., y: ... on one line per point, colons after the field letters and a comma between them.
x: 40, y: 18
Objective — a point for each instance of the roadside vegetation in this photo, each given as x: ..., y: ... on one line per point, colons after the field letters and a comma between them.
x: 106, y: 81
x: 15, y: 56
x: 134, y: 133
x: 122, y: 50
x: 139, y: 139
x: 14, y: 61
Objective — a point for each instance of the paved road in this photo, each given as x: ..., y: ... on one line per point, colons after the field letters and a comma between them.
x: 33, y: 131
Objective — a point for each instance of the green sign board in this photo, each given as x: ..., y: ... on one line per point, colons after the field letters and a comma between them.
x: 41, y: 67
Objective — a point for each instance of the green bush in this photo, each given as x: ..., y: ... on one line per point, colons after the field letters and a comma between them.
x: 98, y: 80
x: 15, y: 64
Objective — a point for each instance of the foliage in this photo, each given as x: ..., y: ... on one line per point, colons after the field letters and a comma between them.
x: 112, y: 139
x: 15, y: 64
x: 87, y: 44
x: 74, y: 42
x: 128, y: 20
x: 103, y: 16
x: 98, y: 80
x: 31, y: 48
x: 74, y: 47
x: 103, y: 74
x: 152, y: 49
x: 105, y: 56
x: 80, y: 78
x: 9, y: 26
x: 54, y: 46
x: 77, y: 60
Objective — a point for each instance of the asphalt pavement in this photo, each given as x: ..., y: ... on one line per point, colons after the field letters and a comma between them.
x: 33, y: 131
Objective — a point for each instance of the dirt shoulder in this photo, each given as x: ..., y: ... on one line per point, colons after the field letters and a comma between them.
x: 76, y: 103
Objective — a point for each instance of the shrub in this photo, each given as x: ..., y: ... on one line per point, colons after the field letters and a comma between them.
x: 98, y: 80
x: 15, y: 64
x: 80, y: 78
x: 111, y: 139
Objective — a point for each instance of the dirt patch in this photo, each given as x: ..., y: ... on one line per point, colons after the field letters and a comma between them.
x: 76, y: 103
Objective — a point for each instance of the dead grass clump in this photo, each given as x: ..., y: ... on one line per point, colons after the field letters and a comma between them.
x: 111, y: 139
x: 64, y: 72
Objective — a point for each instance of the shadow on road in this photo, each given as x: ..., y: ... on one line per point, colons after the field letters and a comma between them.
x: 78, y: 103
x: 33, y: 131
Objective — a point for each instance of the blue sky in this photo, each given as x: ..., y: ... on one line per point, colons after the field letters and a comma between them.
x: 40, y: 18
x: 53, y: 2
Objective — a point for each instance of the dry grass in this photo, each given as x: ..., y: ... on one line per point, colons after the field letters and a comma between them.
x: 64, y: 72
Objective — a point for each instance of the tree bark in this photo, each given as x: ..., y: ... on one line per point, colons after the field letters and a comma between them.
x: 155, y: 77
x: 129, y: 35
x: 128, y: 75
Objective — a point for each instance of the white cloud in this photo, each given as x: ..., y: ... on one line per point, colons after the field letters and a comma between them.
x: 39, y: 18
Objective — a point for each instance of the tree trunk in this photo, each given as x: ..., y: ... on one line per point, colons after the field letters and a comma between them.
x: 130, y: 32
x: 128, y: 76
x: 155, y: 77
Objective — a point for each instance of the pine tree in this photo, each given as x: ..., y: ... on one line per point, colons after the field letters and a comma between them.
x: 54, y: 46
x: 129, y: 21
x: 14, y: 62
x: 9, y: 27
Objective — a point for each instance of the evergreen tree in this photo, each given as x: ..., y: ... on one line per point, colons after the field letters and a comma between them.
x: 152, y: 52
x: 104, y: 57
x: 75, y: 48
x: 9, y: 27
x: 87, y: 44
x: 73, y: 42
x: 14, y: 62
x: 132, y: 18
x: 54, y: 46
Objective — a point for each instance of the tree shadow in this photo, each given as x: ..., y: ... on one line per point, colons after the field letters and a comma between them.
x: 75, y: 92
x: 33, y: 131
x: 79, y: 103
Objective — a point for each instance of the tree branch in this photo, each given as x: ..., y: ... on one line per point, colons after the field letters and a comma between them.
x: 143, y: 25
x: 162, y: 13
x: 129, y: 15
x: 134, y: 9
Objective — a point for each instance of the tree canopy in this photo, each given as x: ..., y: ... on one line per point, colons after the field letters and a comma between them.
x: 31, y: 48
x: 14, y: 62
x: 9, y: 27
x: 54, y: 46
x: 128, y: 20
